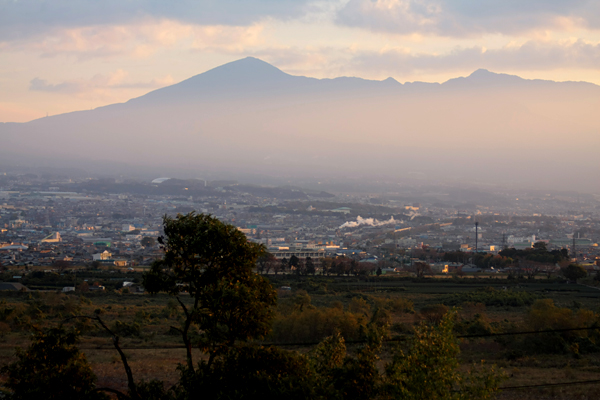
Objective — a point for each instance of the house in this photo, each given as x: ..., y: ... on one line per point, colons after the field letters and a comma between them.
x: 134, y: 287
x: 105, y: 255
x: 470, y: 268
x: 121, y: 263
x: 13, y: 287
x: 52, y: 238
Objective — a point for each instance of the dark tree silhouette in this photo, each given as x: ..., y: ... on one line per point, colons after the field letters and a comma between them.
x: 214, y: 262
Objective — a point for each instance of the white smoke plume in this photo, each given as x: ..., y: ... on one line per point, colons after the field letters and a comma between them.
x: 366, y: 221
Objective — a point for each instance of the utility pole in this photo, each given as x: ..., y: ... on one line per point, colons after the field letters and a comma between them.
x: 476, y: 234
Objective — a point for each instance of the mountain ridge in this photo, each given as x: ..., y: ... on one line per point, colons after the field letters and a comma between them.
x: 252, y: 75
x: 249, y: 115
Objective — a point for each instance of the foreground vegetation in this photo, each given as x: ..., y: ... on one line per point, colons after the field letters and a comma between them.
x: 214, y: 326
x: 309, y: 315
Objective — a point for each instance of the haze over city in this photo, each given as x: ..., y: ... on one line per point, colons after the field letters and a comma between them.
x: 253, y: 113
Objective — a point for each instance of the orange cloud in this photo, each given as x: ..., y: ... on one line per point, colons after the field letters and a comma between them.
x: 140, y: 40
x: 99, y: 86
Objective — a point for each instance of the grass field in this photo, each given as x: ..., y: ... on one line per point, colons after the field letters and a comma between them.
x: 144, y: 323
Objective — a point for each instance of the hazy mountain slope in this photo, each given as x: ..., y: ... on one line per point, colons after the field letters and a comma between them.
x: 251, y: 116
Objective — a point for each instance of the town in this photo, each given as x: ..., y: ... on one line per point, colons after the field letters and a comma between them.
x: 58, y: 223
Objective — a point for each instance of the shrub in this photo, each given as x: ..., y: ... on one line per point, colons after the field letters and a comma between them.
x: 544, y: 316
x: 126, y: 329
x: 433, y: 313
x: 251, y: 372
x: 478, y: 325
x: 400, y: 304
x: 51, y: 368
x: 313, y: 325
x: 492, y: 298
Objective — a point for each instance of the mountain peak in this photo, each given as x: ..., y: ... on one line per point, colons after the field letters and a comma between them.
x: 482, y: 72
x: 391, y: 80
x: 245, y: 68
x: 485, y: 77
x: 248, y: 74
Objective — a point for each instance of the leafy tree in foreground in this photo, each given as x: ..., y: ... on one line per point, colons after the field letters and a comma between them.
x: 430, y: 368
x: 252, y: 372
x: 214, y: 262
x: 51, y: 368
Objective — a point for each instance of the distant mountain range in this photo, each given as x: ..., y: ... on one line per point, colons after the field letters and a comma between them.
x: 250, y: 117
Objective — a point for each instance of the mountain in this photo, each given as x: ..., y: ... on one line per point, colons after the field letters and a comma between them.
x: 248, y: 116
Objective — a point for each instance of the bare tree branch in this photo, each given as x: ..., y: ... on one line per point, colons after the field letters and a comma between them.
x: 115, y: 339
x: 185, y: 336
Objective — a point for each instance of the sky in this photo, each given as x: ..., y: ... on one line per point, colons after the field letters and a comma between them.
x: 58, y: 56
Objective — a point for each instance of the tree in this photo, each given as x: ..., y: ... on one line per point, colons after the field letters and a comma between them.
x: 51, y: 368
x: 574, y: 272
x: 265, y: 263
x: 214, y: 262
x: 301, y: 268
x: 422, y: 268
x: 254, y: 372
x: 430, y: 369
x: 278, y: 266
x: 326, y: 265
x: 310, y: 266
x: 294, y: 263
x: 148, y: 241
x: 61, y: 265
x: 365, y: 268
x: 284, y: 264
x: 353, y: 269
x: 273, y: 264
x: 532, y: 268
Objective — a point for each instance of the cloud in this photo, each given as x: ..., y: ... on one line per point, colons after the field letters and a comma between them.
x: 225, y: 38
x: 329, y: 61
x: 97, y: 85
x: 460, y: 18
x: 26, y: 18
x: 41, y: 85
x: 303, y: 60
x: 532, y: 55
x: 142, y: 39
